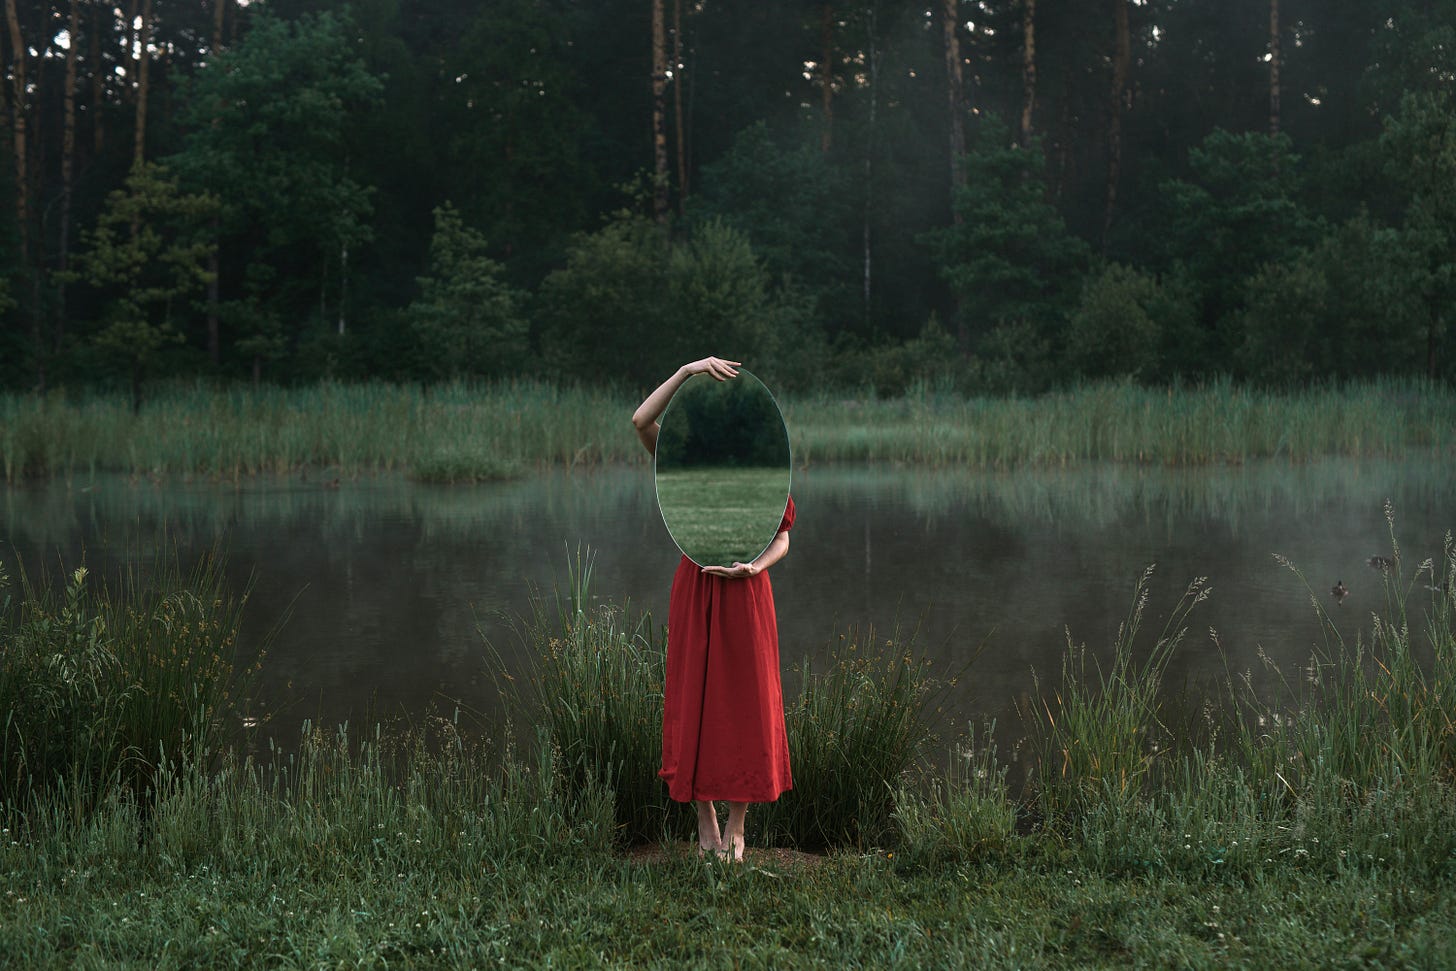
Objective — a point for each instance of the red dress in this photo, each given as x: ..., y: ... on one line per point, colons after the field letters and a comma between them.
x: 723, y: 732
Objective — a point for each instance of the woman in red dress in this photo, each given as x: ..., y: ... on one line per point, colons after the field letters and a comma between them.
x: 723, y: 735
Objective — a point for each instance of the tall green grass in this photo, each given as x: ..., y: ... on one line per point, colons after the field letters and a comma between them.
x: 1121, y: 422
x: 101, y: 686
x: 459, y: 432
x: 448, y: 433
x: 1350, y: 762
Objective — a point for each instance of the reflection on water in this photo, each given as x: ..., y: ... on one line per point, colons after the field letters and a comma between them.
x: 394, y: 583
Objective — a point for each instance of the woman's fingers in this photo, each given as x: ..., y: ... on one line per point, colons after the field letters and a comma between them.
x: 718, y: 367
x: 732, y: 572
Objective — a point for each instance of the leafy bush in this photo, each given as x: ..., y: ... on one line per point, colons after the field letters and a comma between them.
x: 466, y: 320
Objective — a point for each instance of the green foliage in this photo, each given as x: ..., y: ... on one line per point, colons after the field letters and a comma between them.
x: 1348, y: 307
x: 1420, y: 148
x: 1238, y: 210
x: 148, y: 253
x: 1010, y: 260
x: 1126, y: 325
x: 718, y: 296
x: 632, y: 305
x: 465, y: 321
x: 792, y: 203
x: 858, y: 730
x: 516, y: 131
x: 596, y: 685
x: 269, y: 134
x: 603, y: 311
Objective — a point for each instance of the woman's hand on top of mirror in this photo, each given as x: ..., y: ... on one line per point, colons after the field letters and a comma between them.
x: 718, y: 367
x: 734, y: 572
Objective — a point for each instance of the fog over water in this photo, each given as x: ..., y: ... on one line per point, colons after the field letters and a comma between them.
x: 394, y: 585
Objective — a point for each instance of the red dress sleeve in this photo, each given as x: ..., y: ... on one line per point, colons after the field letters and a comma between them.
x: 788, y: 520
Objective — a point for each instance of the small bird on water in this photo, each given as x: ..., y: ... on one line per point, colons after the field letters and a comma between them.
x: 1382, y: 563
x: 1339, y: 591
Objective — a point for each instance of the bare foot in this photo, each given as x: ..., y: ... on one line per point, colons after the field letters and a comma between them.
x: 732, y: 848
x: 710, y: 839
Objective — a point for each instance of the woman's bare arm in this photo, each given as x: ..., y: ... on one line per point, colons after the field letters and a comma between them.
x: 644, y: 419
x: 776, y: 551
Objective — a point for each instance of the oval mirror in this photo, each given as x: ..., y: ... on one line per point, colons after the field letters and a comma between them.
x: 722, y: 468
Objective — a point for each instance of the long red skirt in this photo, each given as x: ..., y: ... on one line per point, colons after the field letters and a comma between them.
x: 723, y: 732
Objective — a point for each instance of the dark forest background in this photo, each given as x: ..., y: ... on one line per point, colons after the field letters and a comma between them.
x: 1000, y: 195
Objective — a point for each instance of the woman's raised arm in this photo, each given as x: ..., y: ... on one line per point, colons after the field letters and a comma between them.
x: 644, y: 419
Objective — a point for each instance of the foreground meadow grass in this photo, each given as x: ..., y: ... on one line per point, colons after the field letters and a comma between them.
x: 1315, y: 827
x: 595, y: 909
x: 459, y: 433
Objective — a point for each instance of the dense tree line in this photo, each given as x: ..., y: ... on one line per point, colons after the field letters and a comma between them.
x: 1002, y: 194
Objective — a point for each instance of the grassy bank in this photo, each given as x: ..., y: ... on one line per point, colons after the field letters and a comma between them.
x: 1314, y: 827
x: 456, y: 433
x: 592, y: 909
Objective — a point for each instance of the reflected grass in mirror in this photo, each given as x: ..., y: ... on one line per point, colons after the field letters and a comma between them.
x: 722, y: 468
x: 722, y: 515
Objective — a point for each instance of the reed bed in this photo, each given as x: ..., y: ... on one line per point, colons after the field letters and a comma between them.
x: 1120, y: 422
x: 464, y: 433
x: 449, y: 433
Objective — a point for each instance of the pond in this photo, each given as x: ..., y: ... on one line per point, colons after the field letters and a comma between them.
x: 395, y: 587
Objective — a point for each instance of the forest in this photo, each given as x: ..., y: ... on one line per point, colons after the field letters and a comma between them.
x: 994, y: 196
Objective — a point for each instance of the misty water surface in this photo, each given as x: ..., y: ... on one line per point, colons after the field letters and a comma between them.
x: 394, y: 585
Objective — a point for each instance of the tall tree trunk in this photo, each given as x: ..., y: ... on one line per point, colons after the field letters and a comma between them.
x: 343, y: 286
x: 131, y: 50
x: 1120, y: 59
x: 955, y: 96
x: 144, y: 39
x: 826, y: 74
x: 1275, y: 56
x: 18, y: 104
x: 68, y: 162
x: 98, y: 82
x: 1028, y: 68
x: 677, y: 106
x: 18, y: 111
x: 874, y: 65
x: 659, y: 114
x: 219, y: 18
x: 214, y: 267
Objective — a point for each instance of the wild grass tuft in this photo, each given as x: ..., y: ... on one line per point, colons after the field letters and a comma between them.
x: 102, y: 686
x: 596, y: 686
x: 857, y: 729
x: 966, y: 815
x: 1099, y: 732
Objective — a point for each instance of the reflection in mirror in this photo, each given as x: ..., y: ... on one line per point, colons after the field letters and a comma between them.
x: 722, y: 468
